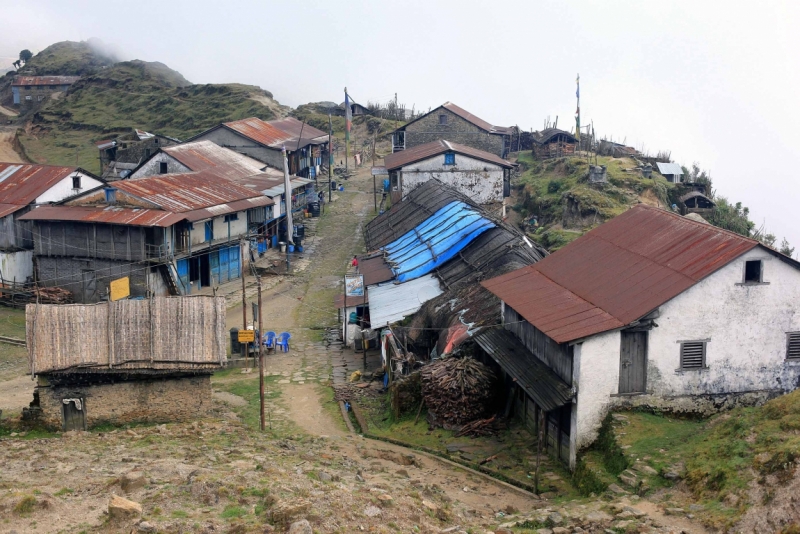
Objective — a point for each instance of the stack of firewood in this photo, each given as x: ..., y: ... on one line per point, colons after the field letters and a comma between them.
x: 457, y: 390
x: 51, y: 295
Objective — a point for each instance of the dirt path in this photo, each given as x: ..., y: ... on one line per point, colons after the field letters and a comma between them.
x: 7, y: 112
x: 305, y: 409
x: 7, y: 152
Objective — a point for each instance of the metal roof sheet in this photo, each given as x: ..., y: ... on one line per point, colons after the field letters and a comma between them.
x: 209, y: 156
x: 434, y: 242
x: 108, y: 214
x: 617, y: 273
x: 293, y: 127
x: 352, y: 302
x: 669, y: 168
x: 186, y: 192
x: 391, y: 302
x: 548, y: 133
x: 232, y: 207
x: 529, y: 372
x: 374, y: 269
x: 45, y: 80
x: 467, y: 116
x: 435, y: 148
x: 21, y: 183
x: 8, y: 209
x: 259, y: 131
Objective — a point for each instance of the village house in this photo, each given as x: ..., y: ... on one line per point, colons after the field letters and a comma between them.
x: 553, y: 143
x: 649, y: 309
x: 31, y: 90
x: 131, y: 361
x: 23, y: 187
x: 454, y: 124
x: 211, y: 158
x: 119, y: 156
x: 170, y: 234
x: 671, y: 171
x: 480, y: 175
x: 306, y: 147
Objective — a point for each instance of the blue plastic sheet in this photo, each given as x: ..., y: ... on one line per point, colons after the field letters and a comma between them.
x: 435, y: 241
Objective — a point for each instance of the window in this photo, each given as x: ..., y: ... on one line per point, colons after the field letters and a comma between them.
x: 76, y: 181
x: 162, y: 167
x: 155, y: 140
x: 442, y: 119
x: 752, y: 272
x: 147, y: 152
x: 111, y: 195
x: 793, y: 345
x: 450, y: 159
x: 209, y: 227
x: 232, y: 217
x: 693, y: 355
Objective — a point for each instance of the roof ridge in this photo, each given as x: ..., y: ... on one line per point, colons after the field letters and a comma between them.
x: 706, y: 226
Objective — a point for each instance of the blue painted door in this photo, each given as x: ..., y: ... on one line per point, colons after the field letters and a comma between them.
x: 235, y: 264
x: 213, y: 259
x: 183, y: 276
x: 223, y: 265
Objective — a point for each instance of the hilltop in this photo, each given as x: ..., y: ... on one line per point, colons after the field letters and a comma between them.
x: 113, y: 96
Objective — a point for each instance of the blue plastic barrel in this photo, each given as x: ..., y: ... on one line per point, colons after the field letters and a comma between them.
x: 274, y: 241
x: 291, y: 248
x: 341, y: 188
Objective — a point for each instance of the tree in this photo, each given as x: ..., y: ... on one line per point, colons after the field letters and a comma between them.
x: 733, y: 217
x: 25, y: 55
x: 786, y: 249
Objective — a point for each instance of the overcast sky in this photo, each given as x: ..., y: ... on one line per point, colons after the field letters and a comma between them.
x: 713, y: 82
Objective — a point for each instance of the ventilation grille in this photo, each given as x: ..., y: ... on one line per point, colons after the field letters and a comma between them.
x: 793, y: 346
x: 693, y: 354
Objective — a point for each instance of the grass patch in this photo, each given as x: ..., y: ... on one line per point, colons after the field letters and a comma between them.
x: 26, y: 505
x: 180, y: 514
x: 64, y: 491
x: 233, y: 512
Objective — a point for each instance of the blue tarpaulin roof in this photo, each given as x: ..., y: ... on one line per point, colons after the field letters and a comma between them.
x: 435, y: 241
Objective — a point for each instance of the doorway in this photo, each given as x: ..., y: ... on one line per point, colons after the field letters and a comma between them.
x: 633, y: 362
x: 73, y: 413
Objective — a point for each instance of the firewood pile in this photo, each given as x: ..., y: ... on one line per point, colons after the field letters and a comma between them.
x: 481, y: 427
x: 457, y: 390
x: 51, y: 295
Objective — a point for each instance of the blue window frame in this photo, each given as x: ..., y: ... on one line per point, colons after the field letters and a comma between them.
x: 450, y: 159
x: 209, y: 230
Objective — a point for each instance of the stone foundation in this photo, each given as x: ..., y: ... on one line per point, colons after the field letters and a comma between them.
x: 704, y: 405
x: 119, y: 400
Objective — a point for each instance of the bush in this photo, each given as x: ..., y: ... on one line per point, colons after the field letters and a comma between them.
x: 553, y: 186
x: 586, y: 480
x: 613, y: 458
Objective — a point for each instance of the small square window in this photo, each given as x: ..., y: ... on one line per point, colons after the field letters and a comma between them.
x: 162, y: 167
x: 693, y: 355
x: 450, y: 159
x: 793, y: 345
x: 442, y: 119
x: 752, y: 272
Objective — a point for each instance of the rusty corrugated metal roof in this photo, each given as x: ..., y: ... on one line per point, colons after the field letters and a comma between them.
x: 224, y: 209
x: 187, y: 191
x: 617, y: 273
x: 21, y: 183
x: 374, y: 269
x: 259, y: 131
x: 209, y: 156
x: 434, y: 148
x: 108, y: 214
x: 294, y: 127
x: 45, y: 80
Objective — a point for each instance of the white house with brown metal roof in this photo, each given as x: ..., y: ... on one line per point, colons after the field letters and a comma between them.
x: 480, y: 175
x: 22, y: 187
x: 650, y: 309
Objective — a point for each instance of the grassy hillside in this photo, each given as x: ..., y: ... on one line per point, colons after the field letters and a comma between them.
x: 149, y: 96
x: 557, y: 195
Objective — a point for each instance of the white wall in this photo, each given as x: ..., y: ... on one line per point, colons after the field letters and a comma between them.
x: 16, y: 265
x: 63, y: 188
x: 745, y: 357
x: 152, y: 166
x: 479, y: 180
x: 596, y: 378
x: 238, y: 227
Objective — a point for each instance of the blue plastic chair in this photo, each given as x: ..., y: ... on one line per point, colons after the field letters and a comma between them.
x: 283, y: 341
x: 269, y: 340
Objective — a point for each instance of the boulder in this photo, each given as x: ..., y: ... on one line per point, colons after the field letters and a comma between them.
x: 301, y: 527
x: 132, y: 481
x: 120, y: 508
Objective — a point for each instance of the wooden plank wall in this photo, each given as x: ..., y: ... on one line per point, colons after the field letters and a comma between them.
x: 557, y: 356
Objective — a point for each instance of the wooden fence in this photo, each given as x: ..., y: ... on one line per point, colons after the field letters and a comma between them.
x: 163, y: 333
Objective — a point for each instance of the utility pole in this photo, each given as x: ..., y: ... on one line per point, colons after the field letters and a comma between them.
x: 244, y: 319
x: 348, y: 117
x: 330, y: 162
x: 260, y: 355
x: 287, y: 191
x: 395, y: 111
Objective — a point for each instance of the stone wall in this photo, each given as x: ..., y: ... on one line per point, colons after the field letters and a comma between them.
x: 142, y: 400
x: 457, y: 130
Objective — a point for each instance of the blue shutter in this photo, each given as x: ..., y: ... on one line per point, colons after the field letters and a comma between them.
x: 213, y: 260
x: 234, y: 263
x: 223, y: 265
x: 183, y: 275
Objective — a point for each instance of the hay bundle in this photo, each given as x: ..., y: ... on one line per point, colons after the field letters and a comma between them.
x: 457, y: 390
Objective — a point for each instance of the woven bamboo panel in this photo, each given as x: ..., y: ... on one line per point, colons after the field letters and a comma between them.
x: 178, y: 333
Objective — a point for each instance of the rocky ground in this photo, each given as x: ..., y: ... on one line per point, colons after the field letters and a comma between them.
x: 306, y: 473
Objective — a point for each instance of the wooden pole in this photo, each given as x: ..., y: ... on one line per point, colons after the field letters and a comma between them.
x: 330, y: 158
x: 346, y: 133
x: 538, y: 450
x: 260, y: 356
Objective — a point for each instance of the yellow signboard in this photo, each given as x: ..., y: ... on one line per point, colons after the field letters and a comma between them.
x: 120, y: 288
x: 247, y: 336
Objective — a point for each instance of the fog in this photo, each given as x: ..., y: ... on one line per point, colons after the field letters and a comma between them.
x: 710, y: 81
